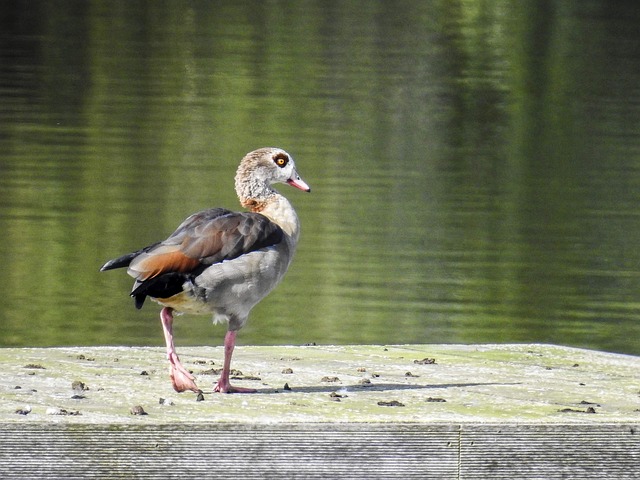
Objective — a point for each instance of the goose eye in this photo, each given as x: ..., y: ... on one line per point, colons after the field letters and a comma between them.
x: 281, y: 160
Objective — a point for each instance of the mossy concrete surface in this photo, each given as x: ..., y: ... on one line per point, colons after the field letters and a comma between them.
x: 446, y: 384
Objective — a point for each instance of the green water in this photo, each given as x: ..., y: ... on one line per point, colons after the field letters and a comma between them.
x: 474, y: 165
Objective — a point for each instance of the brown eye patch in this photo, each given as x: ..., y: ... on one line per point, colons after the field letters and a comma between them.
x: 281, y: 160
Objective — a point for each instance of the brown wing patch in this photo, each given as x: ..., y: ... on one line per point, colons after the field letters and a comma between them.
x: 226, y: 237
x: 203, y: 239
x: 165, y: 258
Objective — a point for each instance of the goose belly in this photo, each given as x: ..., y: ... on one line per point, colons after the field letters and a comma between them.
x: 185, y: 302
x: 236, y: 286
x: 233, y: 287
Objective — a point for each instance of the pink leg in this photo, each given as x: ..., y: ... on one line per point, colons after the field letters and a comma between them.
x: 223, y: 385
x: 180, y: 377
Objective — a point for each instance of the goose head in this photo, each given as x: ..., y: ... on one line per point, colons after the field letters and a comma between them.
x: 262, y: 168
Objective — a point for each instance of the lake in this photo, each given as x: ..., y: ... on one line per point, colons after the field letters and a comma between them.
x: 475, y: 166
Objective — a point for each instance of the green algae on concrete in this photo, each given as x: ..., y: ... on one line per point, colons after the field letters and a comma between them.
x: 411, y: 411
x: 358, y: 383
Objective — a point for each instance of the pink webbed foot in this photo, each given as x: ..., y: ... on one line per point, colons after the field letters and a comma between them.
x: 181, y: 378
x: 226, y: 387
x: 223, y: 385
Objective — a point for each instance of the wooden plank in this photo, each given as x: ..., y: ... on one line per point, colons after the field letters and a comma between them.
x: 229, y: 450
x: 472, y: 451
x: 549, y: 452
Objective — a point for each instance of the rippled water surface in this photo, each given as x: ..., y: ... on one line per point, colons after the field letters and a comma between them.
x: 475, y: 165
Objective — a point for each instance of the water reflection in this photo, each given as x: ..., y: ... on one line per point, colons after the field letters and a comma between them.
x: 475, y: 167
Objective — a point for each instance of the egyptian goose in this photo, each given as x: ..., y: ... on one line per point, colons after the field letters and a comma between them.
x: 222, y: 262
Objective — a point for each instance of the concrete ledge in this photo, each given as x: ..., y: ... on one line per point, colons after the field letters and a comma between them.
x: 414, y: 411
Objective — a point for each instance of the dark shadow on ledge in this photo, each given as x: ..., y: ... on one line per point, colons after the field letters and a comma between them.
x: 373, y: 387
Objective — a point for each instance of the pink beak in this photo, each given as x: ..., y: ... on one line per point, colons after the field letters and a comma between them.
x: 296, y: 181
